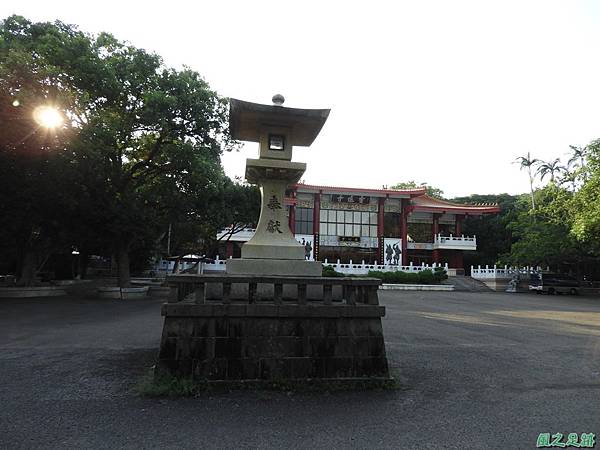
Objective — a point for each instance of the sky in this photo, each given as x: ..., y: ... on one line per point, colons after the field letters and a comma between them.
x: 444, y: 92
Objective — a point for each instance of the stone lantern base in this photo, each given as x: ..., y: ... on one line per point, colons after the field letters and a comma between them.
x: 239, y: 342
x: 277, y: 334
x: 279, y: 267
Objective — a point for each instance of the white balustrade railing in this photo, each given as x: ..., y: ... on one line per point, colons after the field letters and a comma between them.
x: 461, y: 240
x: 217, y: 266
x: 501, y: 272
x: 163, y: 266
x: 363, y: 268
x: 350, y: 268
x: 451, y: 238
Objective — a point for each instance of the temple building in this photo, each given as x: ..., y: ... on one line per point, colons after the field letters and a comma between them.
x: 386, y: 226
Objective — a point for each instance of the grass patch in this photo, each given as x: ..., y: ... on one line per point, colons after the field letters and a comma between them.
x: 165, y: 386
x: 169, y: 386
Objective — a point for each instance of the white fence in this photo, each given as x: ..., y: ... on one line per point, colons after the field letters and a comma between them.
x: 163, y: 267
x: 457, y: 242
x: 350, y: 268
x: 362, y: 268
x: 501, y: 272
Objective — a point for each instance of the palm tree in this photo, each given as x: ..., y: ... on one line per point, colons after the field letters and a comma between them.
x: 551, y: 167
x: 569, y: 176
x: 579, y: 154
x: 528, y: 162
x: 577, y: 160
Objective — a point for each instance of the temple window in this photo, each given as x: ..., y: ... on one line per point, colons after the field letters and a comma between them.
x: 391, y: 225
x: 447, y: 229
x: 304, y: 220
x: 348, y: 223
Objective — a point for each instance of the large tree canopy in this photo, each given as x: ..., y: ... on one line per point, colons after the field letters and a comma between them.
x: 493, y: 232
x: 586, y: 202
x: 141, y: 142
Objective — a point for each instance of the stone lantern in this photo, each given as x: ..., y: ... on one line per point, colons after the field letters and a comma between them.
x: 273, y: 316
x: 273, y: 250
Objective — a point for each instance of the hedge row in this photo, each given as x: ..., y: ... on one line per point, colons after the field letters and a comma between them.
x: 329, y: 271
x: 423, y: 277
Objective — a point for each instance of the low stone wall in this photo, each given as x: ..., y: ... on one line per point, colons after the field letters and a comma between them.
x: 32, y: 292
x: 270, y: 342
x: 123, y: 293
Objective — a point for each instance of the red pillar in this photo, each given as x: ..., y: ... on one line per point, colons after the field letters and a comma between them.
x: 458, y: 254
x: 436, y: 229
x: 380, y: 213
x: 229, y: 249
x: 316, y: 224
x: 459, y: 222
x: 457, y: 260
x: 404, y: 230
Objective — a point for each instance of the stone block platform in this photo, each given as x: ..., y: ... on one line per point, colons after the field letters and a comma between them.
x: 274, y: 340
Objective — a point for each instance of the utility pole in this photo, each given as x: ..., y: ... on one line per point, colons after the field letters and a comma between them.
x: 169, y: 241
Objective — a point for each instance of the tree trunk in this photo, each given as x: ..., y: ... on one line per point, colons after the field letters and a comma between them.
x: 123, y: 266
x: 28, y: 266
x: 531, y: 189
x: 82, y: 265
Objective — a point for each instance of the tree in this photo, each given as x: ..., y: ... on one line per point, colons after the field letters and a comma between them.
x: 431, y: 191
x: 145, y: 144
x: 547, y: 240
x: 551, y: 168
x: 575, y: 172
x: 578, y: 156
x: 527, y: 162
x: 236, y: 206
x: 586, y: 202
x: 494, y: 228
x: 241, y: 207
x: 157, y: 138
x: 32, y: 173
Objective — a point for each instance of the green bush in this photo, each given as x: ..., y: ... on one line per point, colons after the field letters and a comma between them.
x: 426, y: 277
x: 329, y: 271
x: 440, y: 274
x: 422, y: 277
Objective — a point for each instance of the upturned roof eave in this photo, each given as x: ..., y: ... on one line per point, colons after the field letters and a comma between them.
x: 398, y: 193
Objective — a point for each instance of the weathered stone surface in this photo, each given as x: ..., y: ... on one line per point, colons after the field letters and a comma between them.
x: 264, y: 291
x: 273, y: 238
x: 270, y: 342
x: 275, y: 266
x: 318, y: 310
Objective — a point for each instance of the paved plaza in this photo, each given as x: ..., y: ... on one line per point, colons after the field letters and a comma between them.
x: 476, y: 370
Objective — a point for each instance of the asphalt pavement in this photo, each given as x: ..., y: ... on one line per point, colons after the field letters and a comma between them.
x: 476, y: 370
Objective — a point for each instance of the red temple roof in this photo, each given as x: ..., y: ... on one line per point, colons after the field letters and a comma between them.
x: 419, y: 199
x: 429, y: 204
x: 376, y: 192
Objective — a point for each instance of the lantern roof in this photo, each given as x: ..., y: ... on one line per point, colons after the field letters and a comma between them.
x: 248, y: 120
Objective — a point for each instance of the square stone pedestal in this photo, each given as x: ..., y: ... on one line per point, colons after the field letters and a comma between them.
x: 273, y: 343
x: 275, y: 267
x: 265, y: 340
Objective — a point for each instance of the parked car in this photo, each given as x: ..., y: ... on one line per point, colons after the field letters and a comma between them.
x: 553, y: 283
